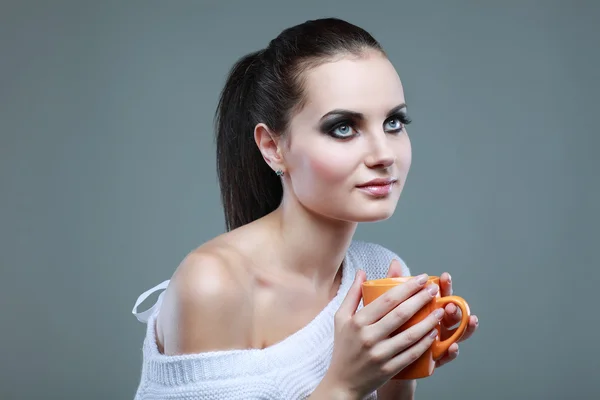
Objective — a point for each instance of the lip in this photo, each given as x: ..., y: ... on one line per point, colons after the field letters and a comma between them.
x: 378, y: 187
x: 379, y: 182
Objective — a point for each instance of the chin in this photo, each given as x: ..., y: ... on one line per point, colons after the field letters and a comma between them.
x: 372, y: 212
x: 360, y: 210
x: 373, y: 217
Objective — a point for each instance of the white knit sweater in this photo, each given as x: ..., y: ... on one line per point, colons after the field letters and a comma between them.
x: 288, y: 370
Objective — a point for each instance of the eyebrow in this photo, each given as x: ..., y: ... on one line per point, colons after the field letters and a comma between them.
x: 360, y: 116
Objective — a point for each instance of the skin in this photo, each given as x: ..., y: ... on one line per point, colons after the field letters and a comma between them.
x: 277, y: 273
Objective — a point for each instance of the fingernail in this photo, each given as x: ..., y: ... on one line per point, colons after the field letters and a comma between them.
x: 433, y: 289
x: 476, y: 321
x: 453, y: 308
x: 455, y: 350
x: 433, y: 333
x: 422, y: 279
x: 439, y: 313
x: 449, y: 278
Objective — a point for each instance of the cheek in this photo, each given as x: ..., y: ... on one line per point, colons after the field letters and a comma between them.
x: 332, y: 166
x: 403, y: 151
x: 406, y: 154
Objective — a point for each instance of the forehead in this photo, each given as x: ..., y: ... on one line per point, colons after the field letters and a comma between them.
x: 367, y: 84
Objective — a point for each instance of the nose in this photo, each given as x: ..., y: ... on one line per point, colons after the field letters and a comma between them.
x: 380, y: 154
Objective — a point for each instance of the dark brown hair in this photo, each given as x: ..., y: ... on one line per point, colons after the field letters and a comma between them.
x: 266, y: 86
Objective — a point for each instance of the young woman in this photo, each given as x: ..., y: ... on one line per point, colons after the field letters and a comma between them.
x: 311, y: 140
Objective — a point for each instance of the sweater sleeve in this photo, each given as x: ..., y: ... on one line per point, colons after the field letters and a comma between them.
x: 222, y: 375
x: 223, y: 389
x: 218, y: 375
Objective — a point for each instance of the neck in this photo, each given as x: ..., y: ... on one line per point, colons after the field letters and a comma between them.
x: 308, y: 244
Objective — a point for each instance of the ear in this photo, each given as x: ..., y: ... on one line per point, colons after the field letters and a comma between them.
x: 268, y: 144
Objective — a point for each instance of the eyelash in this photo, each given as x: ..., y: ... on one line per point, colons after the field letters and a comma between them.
x: 403, y: 118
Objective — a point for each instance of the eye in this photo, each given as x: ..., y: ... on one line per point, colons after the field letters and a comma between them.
x: 342, y: 131
x: 396, y: 123
x: 393, y: 125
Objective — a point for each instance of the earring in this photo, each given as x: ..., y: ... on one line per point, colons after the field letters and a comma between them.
x: 279, y: 172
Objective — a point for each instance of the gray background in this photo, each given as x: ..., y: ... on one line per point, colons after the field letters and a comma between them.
x: 107, y: 178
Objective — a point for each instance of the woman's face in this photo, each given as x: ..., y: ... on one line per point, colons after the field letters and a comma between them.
x: 350, y: 132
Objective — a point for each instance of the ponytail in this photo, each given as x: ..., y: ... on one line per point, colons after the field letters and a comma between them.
x: 249, y: 187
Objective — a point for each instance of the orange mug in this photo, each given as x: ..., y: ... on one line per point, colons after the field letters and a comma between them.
x: 424, y: 365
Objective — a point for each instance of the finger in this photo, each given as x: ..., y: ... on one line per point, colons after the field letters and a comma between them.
x: 445, y: 284
x: 353, y: 297
x: 382, y: 305
x: 395, y: 269
x: 407, y: 357
x: 449, y: 356
x: 408, y: 337
x: 471, y: 328
x: 404, y: 311
x: 452, y: 316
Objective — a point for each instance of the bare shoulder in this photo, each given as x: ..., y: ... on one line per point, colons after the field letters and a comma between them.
x: 207, y: 306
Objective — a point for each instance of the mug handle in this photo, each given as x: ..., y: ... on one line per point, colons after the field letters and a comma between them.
x: 439, y: 348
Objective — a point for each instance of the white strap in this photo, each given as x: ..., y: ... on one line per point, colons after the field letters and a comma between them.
x: 144, y: 315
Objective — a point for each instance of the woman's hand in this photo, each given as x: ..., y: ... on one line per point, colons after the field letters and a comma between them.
x: 452, y: 317
x: 364, y: 355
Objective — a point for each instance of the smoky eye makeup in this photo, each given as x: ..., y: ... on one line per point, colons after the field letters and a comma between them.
x: 402, y: 118
x: 336, y: 122
x: 342, y: 124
